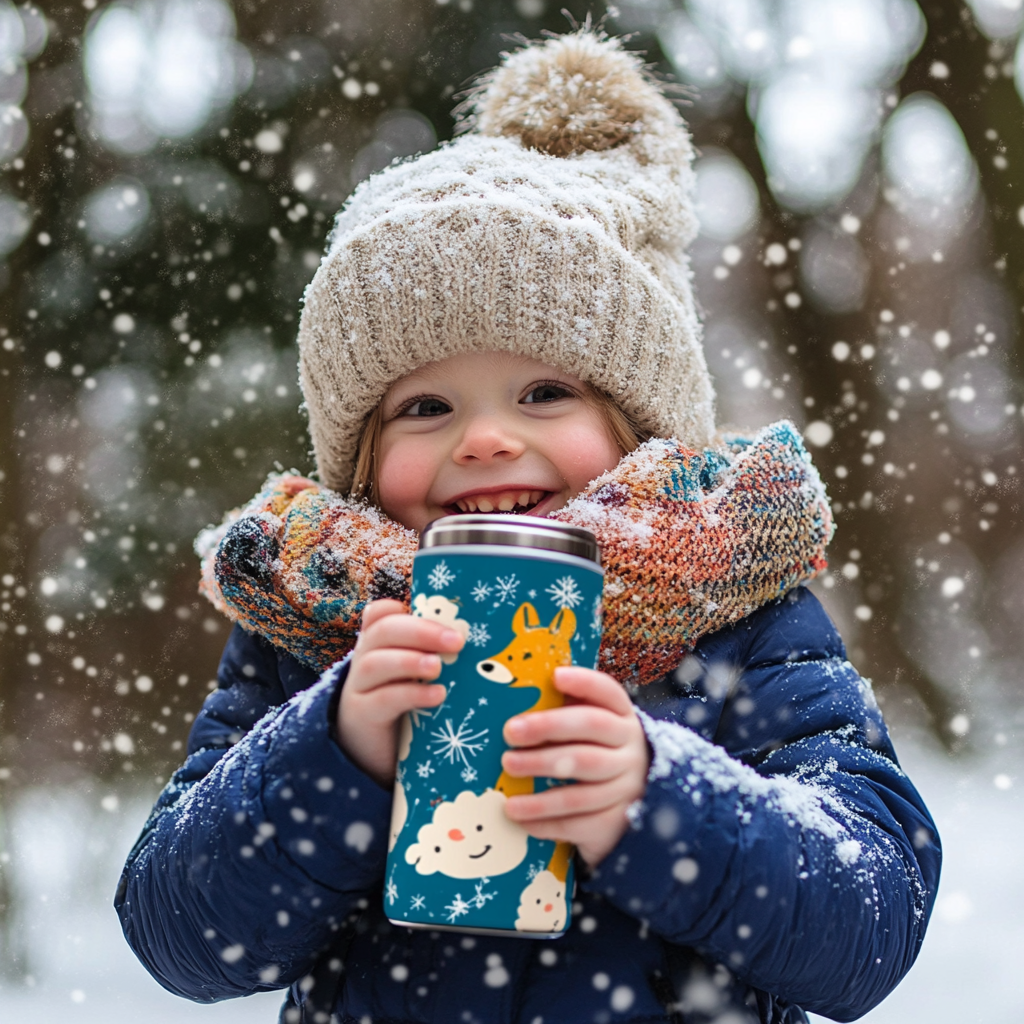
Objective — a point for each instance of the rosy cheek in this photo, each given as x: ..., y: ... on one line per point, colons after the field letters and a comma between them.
x: 586, y: 452
x: 405, y: 476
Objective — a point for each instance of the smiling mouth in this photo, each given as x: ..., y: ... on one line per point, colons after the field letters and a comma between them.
x: 477, y: 856
x: 514, y: 501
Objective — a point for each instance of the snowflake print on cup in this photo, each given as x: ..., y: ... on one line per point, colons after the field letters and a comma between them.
x: 565, y: 592
x: 507, y: 587
x: 452, y: 743
x: 441, y: 576
x: 478, y: 634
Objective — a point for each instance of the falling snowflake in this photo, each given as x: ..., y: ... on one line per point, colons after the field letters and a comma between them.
x: 482, y: 591
x: 441, y: 576
x: 478, y: 634
x: 565, y: 593
x: 468, y: 774
x: 531, y: 594
x: 451, y: 743
x: 482, y: 701
x: 424, y: 768
x: 418, y: 902
x: 507, y: 587
x: 392, y: 891
x: 457, y: 908
x: 482, y: 897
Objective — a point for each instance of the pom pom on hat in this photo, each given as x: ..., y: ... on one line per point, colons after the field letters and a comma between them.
x: 568, y: 95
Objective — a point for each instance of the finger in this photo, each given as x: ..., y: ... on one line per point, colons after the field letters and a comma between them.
x: 387, y: 703
x: 388, y: 664
x: 579, y: 829
x: 592, y: 687
x: 581, y: 723
x: 566, y: 801
x: 410, y: 631
x: 375, y: 610
x: 584, y: 762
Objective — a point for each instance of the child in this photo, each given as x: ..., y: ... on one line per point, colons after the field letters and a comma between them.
x: 506, y: 324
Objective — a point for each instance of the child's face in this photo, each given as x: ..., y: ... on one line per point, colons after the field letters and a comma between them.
x: 488, y: 431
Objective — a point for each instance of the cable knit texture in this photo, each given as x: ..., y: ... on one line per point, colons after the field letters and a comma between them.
x: 690, y: 541
x: 555, y: 227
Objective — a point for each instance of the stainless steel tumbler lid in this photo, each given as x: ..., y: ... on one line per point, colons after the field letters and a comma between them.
x: 514, y: 531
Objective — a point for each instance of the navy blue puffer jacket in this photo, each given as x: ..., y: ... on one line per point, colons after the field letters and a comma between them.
x: 779, y: 860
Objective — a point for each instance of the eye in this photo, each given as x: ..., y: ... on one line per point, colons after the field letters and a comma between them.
x: 547, y: 392
x: 424, y: 407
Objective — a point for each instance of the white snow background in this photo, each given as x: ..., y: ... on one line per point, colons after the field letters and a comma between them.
x: 67, y: 851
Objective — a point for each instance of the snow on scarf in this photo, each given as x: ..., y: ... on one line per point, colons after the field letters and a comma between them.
x: 690, y: 542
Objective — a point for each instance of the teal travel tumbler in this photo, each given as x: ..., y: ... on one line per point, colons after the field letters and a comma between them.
x: 526, y: 595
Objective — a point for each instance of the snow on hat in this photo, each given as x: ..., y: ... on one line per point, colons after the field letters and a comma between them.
x: 554, y: 226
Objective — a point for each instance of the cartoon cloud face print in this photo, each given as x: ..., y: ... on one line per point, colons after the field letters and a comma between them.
x: 399, y: 814
x: 542, y: 905
x: 440, y: 609
x: 469, y: 837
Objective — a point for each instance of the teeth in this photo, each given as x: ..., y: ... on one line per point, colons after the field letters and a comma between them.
x: 506, y: 501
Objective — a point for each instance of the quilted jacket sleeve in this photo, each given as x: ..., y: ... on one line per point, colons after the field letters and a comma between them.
x: 261, y: 844
x: 778, y: 834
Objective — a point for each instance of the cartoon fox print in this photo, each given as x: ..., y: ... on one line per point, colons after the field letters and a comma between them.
x: 530, y: 660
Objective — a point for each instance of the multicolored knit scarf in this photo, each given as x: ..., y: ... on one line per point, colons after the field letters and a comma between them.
x: 690, y: 542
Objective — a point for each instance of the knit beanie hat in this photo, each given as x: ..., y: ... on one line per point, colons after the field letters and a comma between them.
x: 553, y: 226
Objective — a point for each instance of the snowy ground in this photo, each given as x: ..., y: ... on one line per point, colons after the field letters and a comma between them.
x: 68, y: 846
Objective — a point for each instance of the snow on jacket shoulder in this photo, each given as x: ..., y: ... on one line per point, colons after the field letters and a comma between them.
x: 779, y: 859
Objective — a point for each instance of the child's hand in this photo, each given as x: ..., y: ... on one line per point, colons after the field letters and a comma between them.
x: 395, y: 650
x: 595, y: 738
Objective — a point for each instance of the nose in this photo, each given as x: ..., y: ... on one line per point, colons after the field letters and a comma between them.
x: 494, y: 671
x: 455, y: 835
x: 486, y: 439
x: 548, y: 907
